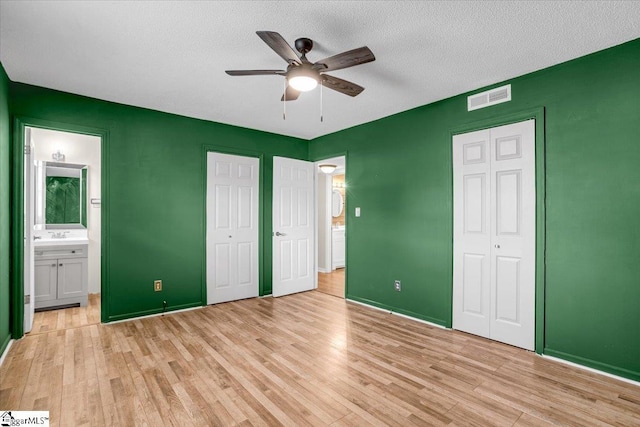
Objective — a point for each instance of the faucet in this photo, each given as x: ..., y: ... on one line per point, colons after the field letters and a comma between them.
x: 58, y: 234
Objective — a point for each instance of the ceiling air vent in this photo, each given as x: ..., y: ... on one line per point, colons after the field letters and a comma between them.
x: 490, y: 97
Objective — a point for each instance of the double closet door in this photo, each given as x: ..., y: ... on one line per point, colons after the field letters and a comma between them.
x: 494, y: 233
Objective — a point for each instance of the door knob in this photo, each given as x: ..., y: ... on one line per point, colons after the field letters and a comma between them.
x: 280, y: 234
x: 496, y: 246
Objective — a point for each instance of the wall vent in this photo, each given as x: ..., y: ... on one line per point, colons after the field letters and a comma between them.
x: 488, y: 98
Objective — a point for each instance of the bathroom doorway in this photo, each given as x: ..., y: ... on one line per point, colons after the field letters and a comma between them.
x: 331, y: 204
x: 62, y: 229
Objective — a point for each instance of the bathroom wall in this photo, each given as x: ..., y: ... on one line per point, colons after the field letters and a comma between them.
x: 338, y: 184
x: 84, y: 150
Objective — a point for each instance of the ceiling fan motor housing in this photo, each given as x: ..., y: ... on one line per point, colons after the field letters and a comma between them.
x: 304, y: 45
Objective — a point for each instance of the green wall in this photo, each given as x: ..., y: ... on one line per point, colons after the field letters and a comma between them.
x: 5, y: 173
x: 155, y: 202
x: 399, y: 172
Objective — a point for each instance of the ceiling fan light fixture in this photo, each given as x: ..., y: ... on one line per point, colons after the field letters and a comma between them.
x: 327, y: 168
x: 303, y: 83
x: 303, y: 78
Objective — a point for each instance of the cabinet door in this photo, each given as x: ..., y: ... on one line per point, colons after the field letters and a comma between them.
x: 338, y: 249
x: 46, y: 275
x: 70, y: 277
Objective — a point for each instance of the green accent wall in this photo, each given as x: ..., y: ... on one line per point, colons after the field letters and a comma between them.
x: 399, y: 172
x: 5, y: 194
x: 155, y: 224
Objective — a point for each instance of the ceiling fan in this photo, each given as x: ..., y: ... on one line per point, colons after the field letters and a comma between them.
x: 303, y: 75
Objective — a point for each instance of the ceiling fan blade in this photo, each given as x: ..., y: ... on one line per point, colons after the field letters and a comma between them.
x: 279, y: 45
x: 347, y: 59
x: 342, y: 86
x: 255, y: 72
x: 290, y: 94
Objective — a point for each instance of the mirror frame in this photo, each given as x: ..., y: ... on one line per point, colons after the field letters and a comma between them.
x: 41, y: 203
x: 337, y: 203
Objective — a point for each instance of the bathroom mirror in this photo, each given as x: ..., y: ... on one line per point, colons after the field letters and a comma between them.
x: 337, y: 203
x: 61, y: 195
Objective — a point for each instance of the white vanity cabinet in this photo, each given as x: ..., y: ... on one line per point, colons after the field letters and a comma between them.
x: 337, y: 248
x: 61, y: 276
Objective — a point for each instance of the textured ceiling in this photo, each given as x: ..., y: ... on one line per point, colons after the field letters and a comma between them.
x: 171, y: 56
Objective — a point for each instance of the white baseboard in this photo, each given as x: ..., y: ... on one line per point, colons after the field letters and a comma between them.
x: 369, y: 305
x: 399, y: 314
x: 154, y: 315
x: 595, y: 371
x: 435, y: 325
x: 6, y: 351
x: 323, y: 270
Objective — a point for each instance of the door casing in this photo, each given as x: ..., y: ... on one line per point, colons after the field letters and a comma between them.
x: 17, y: 214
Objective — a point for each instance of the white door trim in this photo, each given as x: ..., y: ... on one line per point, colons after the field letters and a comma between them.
x: 29, y: 253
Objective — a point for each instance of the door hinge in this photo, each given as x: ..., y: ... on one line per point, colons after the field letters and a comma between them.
x: 27, y: 149
x: 27, y: 299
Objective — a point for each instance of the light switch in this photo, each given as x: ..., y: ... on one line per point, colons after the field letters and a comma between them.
x: 357, y: 212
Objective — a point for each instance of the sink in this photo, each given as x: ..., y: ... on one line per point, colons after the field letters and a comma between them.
x: 60, y: 242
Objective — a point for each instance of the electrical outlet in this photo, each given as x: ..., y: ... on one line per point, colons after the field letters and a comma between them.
x: 396, y: 285
x: 157, y: 285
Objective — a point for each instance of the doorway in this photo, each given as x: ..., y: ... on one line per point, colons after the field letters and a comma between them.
x: 494, y: 265
x: 331, y: 202
x: 62, y: 229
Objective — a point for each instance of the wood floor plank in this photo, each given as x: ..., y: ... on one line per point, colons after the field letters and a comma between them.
x: 304, y: 359
x: 332, y: 283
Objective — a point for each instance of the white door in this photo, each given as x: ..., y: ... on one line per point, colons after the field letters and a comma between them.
x: 232, y: 227
x: 293, y: 226
x: 494, y: 233
x: 471, y: 233
x: 28, y: 257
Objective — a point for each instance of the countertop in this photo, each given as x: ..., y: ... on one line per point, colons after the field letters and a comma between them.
x: 39, y: 243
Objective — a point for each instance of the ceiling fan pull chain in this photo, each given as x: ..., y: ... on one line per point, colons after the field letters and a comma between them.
x: 321, y: 116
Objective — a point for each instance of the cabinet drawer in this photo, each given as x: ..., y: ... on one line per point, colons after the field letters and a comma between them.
x: 56, y: 252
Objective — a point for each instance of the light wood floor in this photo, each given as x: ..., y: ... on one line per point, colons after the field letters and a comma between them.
x: 56, y: 320
x: 332, y: 283
x: 304, y: 359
